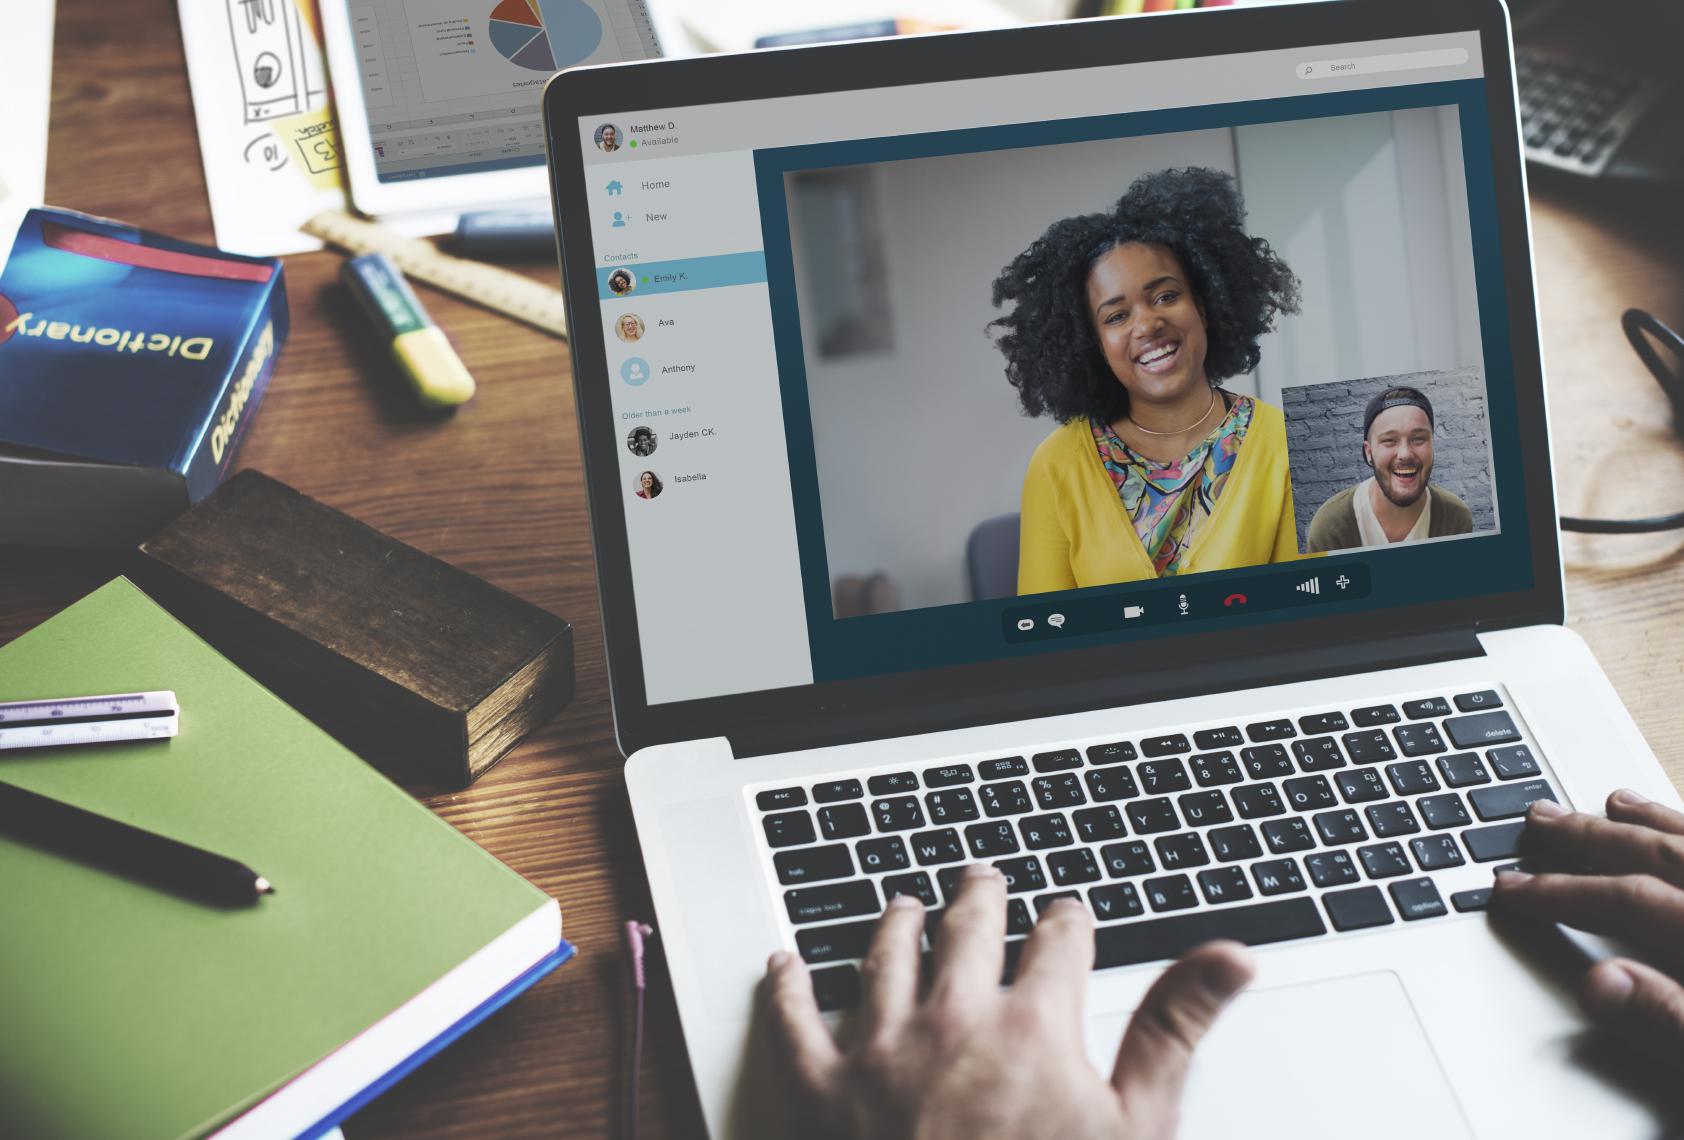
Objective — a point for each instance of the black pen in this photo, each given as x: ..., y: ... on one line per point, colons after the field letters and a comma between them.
x: 124, y: 849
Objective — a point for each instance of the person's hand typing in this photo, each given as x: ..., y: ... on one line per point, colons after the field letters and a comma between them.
x: 1634, y: 892
x: 967, y: 1059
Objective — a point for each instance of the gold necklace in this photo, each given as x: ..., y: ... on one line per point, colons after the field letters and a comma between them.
x: 1180, y: 431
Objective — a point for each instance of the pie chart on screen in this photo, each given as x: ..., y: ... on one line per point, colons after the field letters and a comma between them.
x: 545, y: 35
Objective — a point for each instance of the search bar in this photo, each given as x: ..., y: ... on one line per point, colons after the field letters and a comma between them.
x: 1313, y: 70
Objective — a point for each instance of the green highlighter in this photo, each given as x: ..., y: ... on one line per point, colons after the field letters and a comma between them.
x: 418, y: 345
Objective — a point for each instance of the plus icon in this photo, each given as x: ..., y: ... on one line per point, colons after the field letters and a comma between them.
x: 1341, y: 581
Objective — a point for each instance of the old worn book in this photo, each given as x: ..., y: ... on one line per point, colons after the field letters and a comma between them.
x: 421, y: 668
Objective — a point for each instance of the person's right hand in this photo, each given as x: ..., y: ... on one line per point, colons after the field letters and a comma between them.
x: 1634, y: 893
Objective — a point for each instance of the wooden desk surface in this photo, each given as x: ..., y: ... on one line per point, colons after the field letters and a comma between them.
x: 497, y: 490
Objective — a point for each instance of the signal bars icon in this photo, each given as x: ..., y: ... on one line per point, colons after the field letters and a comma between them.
x: 1311, y: 586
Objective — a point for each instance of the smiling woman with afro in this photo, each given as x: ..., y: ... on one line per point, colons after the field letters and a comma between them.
x: 1121, y: 325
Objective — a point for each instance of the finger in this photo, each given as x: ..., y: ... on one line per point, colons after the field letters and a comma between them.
x: 1603, y: 845
x: 889, y: 973
x: 971, y: 941
x: 1627, y: 806
x: 807, y: 1041
x: 1173, y: 1017
x: 1058, y: 958
x: 1638, y: 1003
x: 1640, y: 909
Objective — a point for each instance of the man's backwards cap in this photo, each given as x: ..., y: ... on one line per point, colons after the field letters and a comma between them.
x: 1395, y: 398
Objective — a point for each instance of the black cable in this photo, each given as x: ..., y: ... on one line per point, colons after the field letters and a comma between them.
x: 1639, y: 326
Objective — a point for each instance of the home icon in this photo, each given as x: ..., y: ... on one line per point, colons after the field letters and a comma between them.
x: 614, y: 187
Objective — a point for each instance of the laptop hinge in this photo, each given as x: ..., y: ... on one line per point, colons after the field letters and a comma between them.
x: 848, y: 723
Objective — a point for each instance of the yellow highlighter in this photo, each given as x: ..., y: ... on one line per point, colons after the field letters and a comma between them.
x: 418, y: 345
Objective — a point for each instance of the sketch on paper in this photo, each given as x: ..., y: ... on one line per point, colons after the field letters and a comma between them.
x: 278, y: 59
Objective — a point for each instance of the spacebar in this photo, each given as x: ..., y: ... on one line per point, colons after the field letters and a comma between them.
x: 1159, y: 938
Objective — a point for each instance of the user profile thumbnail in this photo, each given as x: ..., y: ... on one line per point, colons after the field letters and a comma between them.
x: 629, y: 327
x: 642, y: 441
x: 621, y: 282
x: 635, y: 371
x: 607, y: 138
x: 647, y: 485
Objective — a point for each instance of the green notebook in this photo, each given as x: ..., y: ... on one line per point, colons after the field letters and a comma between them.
x: 125, y: 1011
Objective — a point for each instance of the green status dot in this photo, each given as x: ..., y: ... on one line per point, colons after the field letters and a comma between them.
x: 646, y: 280
x: 634, y: 144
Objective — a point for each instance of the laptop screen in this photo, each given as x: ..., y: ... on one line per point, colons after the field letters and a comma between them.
x: 929, y: 375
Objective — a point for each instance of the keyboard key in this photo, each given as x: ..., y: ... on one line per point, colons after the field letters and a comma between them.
x: 1155, y: 939
x: 1368, y: 747
x: 1481, y: 730
x: 1185, y: 850
x: 1042, y: 902
x: 1229, y: 737
x: 1412, y: 777
x: 1202, y: 809
x: 942, y: 846
x: 1148, y: 817
x: 1071, y: 867
x: 1115, y: 900
x: 951, y: 880
x: 1361, y: 786
x: 1442, y: 811
x: 916, y: 884
x: 836, y: 988
x: 1212, y: 769
x: 1331, y: 868
x: 1043, y: 831
x: 948, y: 776
x: 1114, y: 753
x: 1224, y: 884
x: 779, y: 798
x: 1160, y: 776
x: 1003, y: 768
x: 790, y: 829
x: 834, y: 790
x: 815, y: 864
x: 901, y: 813
x: 1506, y: 801
x: 1373, y: 715
x: 1270, y: 730
x: 834, y: 900
x: 1462, y: 769
x: 1416, y: 899
x: 887, y: 854
x: 1060, y: 761
x: 1022, y: 874
x: 1418, y: 739
x: 1131, y: 858
x: 1253, y: 801
x: 1499, y: 841
x: 1477, y: 702
x: 1358, y: 909
x: 1017, y: 917
x: 1477, y: 899
x: 1323, y: 722
x: 987, y: 840
x: 835, y: 943
x: 1062, y: 790
x: 1266, y: 762
x: 1436, y: 852
x: 1309, y: 793
x: 1513, y: 763
x: 1105, y: 784
x: 1230, y: 844
x: 844, y: 821
x: 1010, y: 798
x: 1319, y: 754
x: 891, y: 782
x: 1383, y: 860
x: 1165, y: 745
x: 1283, y: 835
x: 1172, y: 892
x: 1277, y: 877
x: 956, y: 805
x: 1389, y: 819
x: 1423, y: 709
x: 1097, y: 824
x: 1336, y: 827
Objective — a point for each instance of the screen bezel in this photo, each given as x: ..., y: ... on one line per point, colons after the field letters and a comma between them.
x: 1041, y: 684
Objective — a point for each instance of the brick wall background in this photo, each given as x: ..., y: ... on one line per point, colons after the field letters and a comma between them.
x: 1324, y: 439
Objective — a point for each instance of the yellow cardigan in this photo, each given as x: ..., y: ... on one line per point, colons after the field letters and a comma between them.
x: 1075, y: 531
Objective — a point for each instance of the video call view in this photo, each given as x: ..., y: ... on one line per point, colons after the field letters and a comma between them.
x: 1049, y: 368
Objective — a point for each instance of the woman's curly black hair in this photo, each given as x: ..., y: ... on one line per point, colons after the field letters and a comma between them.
x: 1052, y: 353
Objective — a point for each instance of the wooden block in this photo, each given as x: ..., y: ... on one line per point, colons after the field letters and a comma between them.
x: 421, y: 668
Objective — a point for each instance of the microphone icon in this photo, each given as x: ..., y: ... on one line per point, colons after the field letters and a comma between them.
x: 1183, y: 605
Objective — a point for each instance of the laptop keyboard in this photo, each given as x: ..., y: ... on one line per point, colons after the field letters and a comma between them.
x: 1325, y: 822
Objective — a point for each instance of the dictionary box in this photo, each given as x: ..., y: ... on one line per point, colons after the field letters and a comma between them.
x: 131, y: 365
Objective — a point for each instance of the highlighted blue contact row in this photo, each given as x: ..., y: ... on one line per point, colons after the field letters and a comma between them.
x: 648, y: 277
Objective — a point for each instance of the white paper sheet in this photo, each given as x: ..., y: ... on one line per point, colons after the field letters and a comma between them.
x: 26, y: 88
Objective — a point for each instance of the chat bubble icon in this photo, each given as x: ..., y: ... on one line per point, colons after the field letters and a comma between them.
x: 1026, y: 624
x: 1056, y: 620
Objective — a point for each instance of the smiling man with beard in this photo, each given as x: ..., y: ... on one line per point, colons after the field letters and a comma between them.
x: 1398, y: 503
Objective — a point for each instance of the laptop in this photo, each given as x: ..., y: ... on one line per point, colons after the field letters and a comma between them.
x: 841, y: 667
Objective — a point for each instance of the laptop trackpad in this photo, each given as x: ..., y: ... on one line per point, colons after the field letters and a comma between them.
x: 1346, y: 1057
